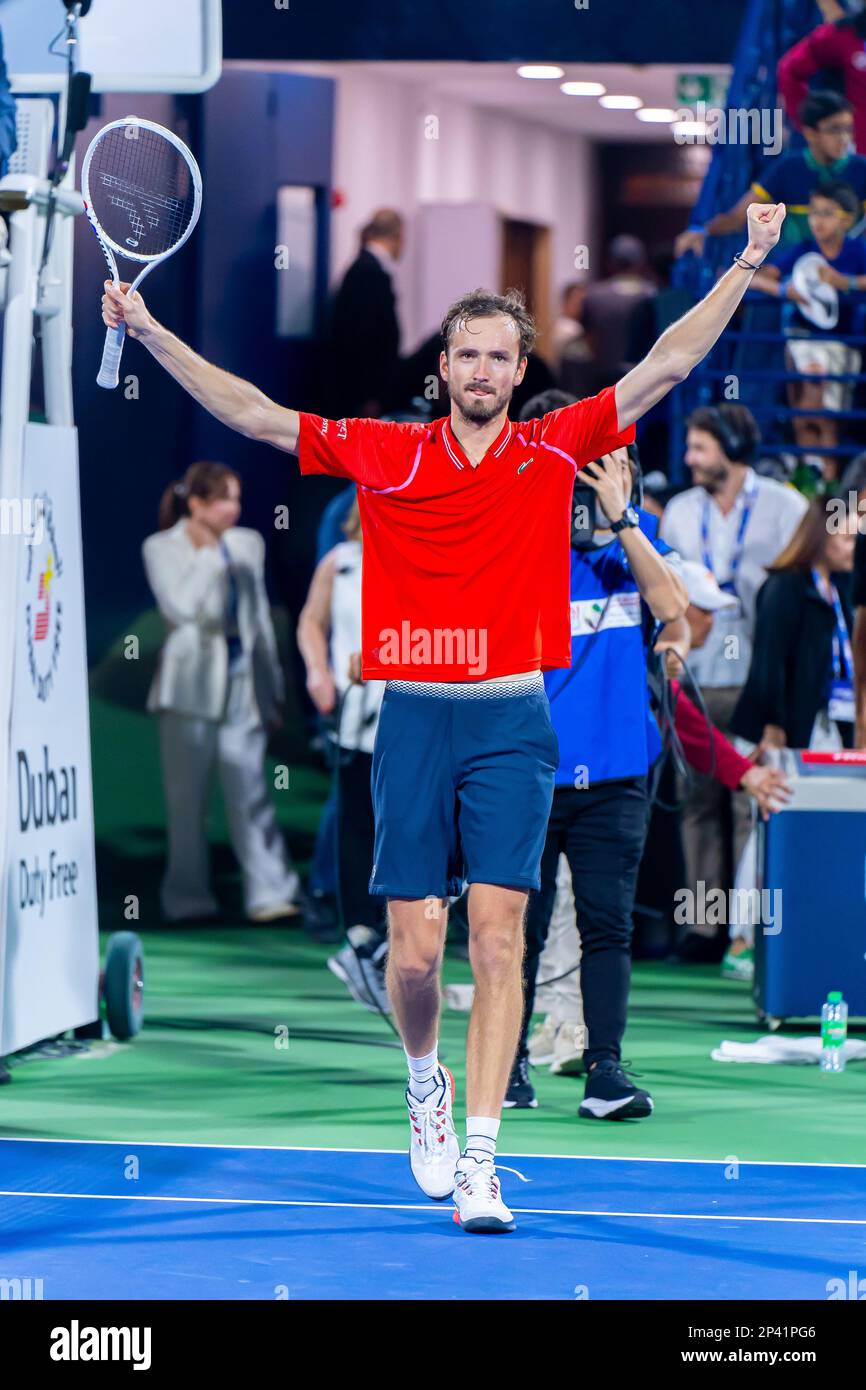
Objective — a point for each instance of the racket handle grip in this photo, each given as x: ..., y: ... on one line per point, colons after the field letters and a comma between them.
x: 109, y: 371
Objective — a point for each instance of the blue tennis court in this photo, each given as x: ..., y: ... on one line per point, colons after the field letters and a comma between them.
x: 163, y: 1221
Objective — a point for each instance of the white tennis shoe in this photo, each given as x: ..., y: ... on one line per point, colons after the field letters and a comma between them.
x: 477, y: 1198
x: 433, y: 1146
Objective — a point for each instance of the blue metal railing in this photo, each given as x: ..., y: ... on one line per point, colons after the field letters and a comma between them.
x: 769, y: 29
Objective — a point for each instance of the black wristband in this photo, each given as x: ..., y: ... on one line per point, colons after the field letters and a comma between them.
x: 746, y: 265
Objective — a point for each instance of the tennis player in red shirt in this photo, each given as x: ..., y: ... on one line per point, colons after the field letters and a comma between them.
x: 466, y: 526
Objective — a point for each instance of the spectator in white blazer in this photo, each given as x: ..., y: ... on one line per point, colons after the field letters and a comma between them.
x: 218, y: 691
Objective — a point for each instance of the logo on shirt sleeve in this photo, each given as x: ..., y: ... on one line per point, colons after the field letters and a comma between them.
x: 596, y: 615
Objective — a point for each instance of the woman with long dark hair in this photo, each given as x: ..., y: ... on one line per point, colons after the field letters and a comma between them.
x: 799, y: 688
x: 218, y: 690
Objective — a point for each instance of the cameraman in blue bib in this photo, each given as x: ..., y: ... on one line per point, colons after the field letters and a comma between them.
x: 622, y: 588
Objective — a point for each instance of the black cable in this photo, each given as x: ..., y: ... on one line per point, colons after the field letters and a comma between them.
x: 542, y: 984
x: 671, y: 741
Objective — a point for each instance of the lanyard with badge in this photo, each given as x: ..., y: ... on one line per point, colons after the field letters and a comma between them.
x: 730, y: 584
x: 840, y: 705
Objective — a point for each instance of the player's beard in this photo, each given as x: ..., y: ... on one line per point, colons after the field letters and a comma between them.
x: 711, y: 479
x: 478, y: 410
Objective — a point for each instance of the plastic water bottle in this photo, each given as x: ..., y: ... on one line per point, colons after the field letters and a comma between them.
x: 834, y: 1030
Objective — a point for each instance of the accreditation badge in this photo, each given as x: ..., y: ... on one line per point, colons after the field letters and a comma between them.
x: 841, y: 703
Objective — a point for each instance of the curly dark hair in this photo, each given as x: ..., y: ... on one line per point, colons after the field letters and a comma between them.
x: 481, y: 304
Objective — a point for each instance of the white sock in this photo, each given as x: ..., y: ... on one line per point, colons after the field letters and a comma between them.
x: 423, y: 1074
x: 481, y: 1134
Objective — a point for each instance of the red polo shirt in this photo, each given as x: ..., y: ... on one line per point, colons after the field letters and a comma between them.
x: 466, y: 569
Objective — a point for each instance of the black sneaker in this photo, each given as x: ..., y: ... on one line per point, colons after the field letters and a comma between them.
x: 521, y: 1092
x: 321, y: 921
x: 610, y: 1095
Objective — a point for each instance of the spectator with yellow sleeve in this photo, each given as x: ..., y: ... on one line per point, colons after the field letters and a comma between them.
x: 828, y: 127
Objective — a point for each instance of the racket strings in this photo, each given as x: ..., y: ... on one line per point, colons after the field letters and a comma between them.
x: 142, y: 191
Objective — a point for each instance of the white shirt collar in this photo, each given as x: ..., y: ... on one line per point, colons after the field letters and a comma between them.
x: 385, y: 260
x: 750, y: 482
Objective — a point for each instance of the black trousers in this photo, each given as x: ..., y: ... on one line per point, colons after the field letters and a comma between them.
x: 356, y: 833
x: 601, y: 830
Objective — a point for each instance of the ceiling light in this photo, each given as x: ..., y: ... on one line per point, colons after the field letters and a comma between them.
x: 657, y: 113
x: 539, y: 70
x: 620, y: 103
x: 582, y: 89
x: 689, y: 128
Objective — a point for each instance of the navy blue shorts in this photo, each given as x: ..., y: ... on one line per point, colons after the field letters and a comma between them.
x: 462, y: 787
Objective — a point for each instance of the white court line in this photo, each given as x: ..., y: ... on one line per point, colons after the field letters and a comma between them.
x: 325, y: 1149
x: 405, y: 1206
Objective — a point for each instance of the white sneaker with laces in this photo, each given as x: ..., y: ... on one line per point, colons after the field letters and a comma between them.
x: 541, y: 1042
x: 567, y: 1059
x: 477, y: 1198
x: 433, y: 1146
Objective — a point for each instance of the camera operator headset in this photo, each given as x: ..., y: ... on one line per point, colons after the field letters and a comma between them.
x: 621, y: 586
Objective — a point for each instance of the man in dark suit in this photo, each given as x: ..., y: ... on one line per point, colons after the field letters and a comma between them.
x: 364, y: 331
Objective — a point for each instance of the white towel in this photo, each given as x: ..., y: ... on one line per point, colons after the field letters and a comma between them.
x: 775, y: 1048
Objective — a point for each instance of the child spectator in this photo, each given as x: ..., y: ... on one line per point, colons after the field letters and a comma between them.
x: 828, y: 127
x: 811, y: 349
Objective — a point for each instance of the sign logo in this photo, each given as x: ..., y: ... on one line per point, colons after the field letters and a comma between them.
x: 43, y: 615
x: 43, y: 603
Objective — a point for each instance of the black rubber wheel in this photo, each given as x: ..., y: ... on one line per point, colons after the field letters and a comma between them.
x: 123, y: 985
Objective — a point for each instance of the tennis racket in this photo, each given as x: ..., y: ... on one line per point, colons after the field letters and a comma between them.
x: 142, y: 194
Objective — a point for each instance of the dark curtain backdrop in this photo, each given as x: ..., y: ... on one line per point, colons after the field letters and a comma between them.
x: 218, y: 294
x: 606, y: 31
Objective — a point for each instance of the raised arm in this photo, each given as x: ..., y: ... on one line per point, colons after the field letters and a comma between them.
x: 687, y: 342
x: 313, y: 635
x: 235, y: 402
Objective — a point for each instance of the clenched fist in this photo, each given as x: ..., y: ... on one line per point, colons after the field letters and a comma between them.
x: 764, y: 221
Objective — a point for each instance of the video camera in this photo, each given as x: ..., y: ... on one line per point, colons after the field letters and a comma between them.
x: 584, y: 504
